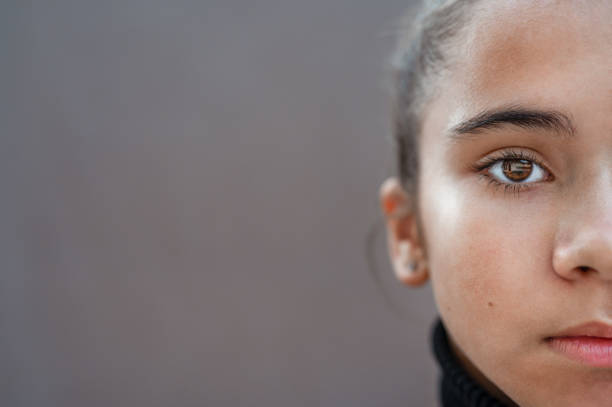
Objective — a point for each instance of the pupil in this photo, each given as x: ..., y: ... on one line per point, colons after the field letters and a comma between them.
x: 517, y: 170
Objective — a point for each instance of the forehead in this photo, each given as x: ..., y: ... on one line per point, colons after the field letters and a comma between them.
x: 529, y: 51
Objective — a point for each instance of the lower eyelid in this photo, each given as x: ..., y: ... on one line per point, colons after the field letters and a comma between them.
x: 516, y: 189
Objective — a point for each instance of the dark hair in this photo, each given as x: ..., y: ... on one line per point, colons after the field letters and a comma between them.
x: 423, y: 54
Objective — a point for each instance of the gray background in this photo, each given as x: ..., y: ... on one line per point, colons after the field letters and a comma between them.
x: 187, y: 187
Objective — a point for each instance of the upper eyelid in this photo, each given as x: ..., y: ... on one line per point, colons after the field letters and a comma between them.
x: 494, y: 161
x: 507, y: 154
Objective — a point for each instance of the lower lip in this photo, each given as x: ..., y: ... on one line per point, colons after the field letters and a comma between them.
x: 590, y: 350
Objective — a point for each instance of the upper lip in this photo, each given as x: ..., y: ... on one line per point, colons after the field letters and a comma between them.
x: 594, y: 329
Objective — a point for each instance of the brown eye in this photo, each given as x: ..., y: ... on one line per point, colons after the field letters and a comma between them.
x: 517, y: 170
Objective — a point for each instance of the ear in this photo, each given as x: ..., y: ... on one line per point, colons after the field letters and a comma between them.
x: 405, y: 246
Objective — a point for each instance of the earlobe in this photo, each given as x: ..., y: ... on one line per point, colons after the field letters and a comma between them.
x: 405, y: 250
x: 409, y: 265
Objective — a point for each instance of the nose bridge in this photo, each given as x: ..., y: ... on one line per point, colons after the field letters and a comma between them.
x: 594, y: 206
x: 587, y: 229
x: 595, y: 197
x: 593, y: 187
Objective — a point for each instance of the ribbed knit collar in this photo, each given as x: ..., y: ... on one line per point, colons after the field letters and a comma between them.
x: 457, y: 388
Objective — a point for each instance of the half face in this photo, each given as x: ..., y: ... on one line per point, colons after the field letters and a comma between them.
x: 516, y: 200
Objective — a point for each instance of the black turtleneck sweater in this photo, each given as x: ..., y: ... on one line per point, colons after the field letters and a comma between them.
x: 457, y: 388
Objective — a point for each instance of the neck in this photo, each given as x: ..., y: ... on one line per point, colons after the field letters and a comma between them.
x: 477, y: 375
x: 463, y: 385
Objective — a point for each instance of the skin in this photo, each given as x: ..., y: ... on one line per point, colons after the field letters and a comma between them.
x: 509, y: 270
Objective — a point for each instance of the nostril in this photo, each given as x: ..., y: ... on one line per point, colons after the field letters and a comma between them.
x: 584, y: 269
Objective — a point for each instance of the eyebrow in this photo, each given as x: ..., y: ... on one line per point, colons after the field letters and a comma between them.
x: 549, y: 120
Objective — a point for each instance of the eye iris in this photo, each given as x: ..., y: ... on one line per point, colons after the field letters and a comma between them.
x: 517, y: 170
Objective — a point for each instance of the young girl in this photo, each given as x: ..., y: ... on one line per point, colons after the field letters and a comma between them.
x: 503, y: 123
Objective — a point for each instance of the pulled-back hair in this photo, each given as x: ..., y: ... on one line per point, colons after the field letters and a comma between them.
x: 423, y: 53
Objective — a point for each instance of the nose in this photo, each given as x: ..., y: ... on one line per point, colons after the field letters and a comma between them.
x: 586, y: 249
x: 589, y: 253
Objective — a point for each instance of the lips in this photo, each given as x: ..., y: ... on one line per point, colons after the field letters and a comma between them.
x: 589, y: 343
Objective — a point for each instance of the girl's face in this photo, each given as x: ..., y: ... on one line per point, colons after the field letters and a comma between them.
x: 516, y: 205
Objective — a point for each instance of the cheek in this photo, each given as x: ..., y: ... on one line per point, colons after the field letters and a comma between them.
x: 489, y: 258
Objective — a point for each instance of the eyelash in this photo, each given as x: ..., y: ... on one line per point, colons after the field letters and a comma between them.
x: 483, y: 165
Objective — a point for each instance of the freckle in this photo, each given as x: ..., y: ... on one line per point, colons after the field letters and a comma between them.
x: 490, y: 304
